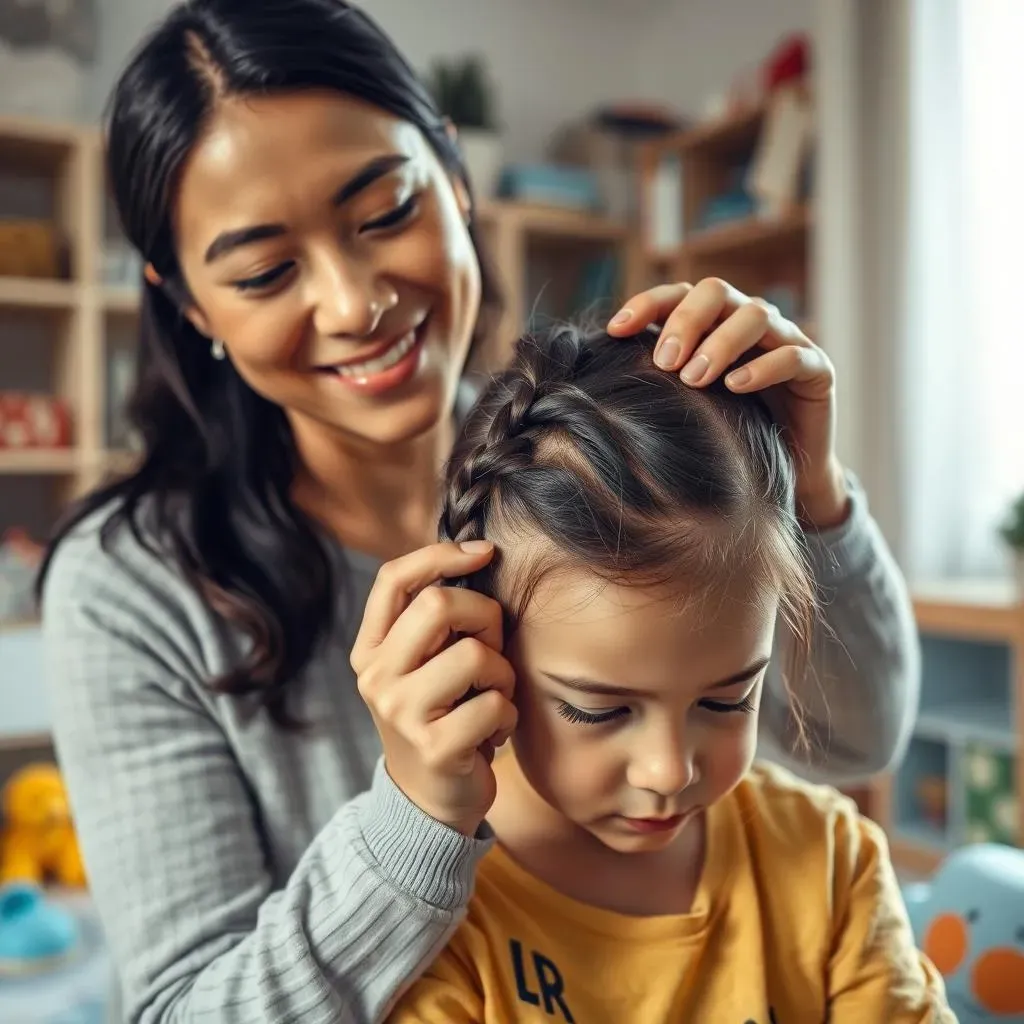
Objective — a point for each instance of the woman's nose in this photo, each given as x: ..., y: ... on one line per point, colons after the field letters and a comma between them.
x: 350, y: 299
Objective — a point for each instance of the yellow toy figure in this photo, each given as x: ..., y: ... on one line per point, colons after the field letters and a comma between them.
x: 37, y: 839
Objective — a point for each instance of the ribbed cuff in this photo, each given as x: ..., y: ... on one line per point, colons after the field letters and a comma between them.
x: 419, y: 854
x: 846, y: 550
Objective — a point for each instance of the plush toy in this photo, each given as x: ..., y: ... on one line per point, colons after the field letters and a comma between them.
x: 969, y: 919
x: 37, y: 840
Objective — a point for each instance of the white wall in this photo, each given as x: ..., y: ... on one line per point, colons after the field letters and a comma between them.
x: 552, y: 60
x: 688, y: 50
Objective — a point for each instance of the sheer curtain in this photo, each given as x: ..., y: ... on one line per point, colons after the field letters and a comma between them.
x: 922, y: 266
x: 965, y: 339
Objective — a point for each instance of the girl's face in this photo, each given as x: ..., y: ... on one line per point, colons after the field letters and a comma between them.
x: 325, y: 245
x: 633, y: 714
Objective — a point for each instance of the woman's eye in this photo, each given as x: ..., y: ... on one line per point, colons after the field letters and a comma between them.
x: 580, y: 717
x: 395, y: 217
x: 264, y: 280
x: 720, y: 707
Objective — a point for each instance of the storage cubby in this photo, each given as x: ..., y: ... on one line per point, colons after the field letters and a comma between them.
x: 923, y: 805
x: 703, y: 216
x: 965, y: 753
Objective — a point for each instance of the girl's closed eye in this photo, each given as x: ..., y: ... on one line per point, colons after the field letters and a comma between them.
x: 578, y: 716
x: 744, y: 706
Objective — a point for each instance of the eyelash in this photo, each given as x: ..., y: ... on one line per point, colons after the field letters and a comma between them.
x: 397, y: 216
x: 577, y: 716
x: 393, y: 218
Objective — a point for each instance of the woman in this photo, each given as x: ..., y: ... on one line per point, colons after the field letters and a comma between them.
x: 313, y: 288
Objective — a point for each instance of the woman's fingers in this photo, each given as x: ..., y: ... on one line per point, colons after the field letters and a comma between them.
x: 649, y: 307
x: 806, y: 370
x: 447, y: 679
x: 431, y: 620
x: 400, y: 580
x: 488, y: 717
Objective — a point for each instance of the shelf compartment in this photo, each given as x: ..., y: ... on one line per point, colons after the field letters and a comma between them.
x: 925, y: 795
x: 967, y: 692
x: 991, y: 804
x: 38, y: 293
x: 39, y: 461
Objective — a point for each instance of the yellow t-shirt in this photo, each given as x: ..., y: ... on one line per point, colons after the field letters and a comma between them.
x: 798, y: 919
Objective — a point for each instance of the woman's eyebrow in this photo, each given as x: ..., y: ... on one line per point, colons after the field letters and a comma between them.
x: 228, y: 241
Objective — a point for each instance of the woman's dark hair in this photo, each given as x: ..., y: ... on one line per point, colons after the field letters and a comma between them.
x: 219, y: 460
x: 583, y: 455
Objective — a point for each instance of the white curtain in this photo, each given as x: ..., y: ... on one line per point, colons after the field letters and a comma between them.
x: 919, y: 277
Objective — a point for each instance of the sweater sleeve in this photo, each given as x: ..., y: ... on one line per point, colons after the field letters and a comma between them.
x: 859, y: 695
x: 875, y: 971
x: 172, y: 844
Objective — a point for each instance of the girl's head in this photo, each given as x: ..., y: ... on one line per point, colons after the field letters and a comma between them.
x: 646, y: 546
x: 298, y: 197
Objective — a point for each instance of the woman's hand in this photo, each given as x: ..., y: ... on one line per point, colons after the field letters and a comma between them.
x: 420, y: 650
x: 711, y: 325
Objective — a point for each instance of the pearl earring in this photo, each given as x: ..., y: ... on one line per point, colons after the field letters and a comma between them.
x: 217, y: 349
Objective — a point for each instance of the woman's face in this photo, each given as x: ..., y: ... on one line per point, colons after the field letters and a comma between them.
x: 323, y: 242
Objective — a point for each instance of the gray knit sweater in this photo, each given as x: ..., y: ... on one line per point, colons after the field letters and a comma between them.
x: 244, y: 874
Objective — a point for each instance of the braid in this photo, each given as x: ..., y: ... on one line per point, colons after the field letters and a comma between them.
x: 498, y: 438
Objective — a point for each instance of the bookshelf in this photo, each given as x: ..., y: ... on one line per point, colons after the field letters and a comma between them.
x: 699, y: 219
x: 963, y: 777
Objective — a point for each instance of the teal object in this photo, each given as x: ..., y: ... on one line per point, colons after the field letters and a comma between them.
x: 33, y: 932
x: 969, y: 920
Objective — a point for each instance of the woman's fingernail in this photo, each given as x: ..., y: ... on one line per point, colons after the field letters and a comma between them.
x: 475, y: 547
x: 667, y: 353
x: 694, y: 370
x: 622, y: 316
x: 738, y: 378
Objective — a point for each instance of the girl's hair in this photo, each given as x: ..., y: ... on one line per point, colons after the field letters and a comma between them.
x: 219, y: 460
x: 583, y: 455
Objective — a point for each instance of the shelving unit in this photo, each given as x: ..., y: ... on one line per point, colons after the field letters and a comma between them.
x: 541, y: 254
x: 759, y: 253
x: 963, y: 777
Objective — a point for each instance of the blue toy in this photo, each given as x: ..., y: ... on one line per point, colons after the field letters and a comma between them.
x: 34, y: 933
x: 969, y: 920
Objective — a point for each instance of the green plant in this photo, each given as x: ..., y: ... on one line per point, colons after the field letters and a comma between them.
x: 1012, y: 528
x: 463, y: 92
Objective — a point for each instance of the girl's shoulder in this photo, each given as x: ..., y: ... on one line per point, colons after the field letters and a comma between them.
x: 789, y: 817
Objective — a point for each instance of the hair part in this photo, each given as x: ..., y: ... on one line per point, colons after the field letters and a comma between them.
x: 584, y: 456
x: 214, y: 487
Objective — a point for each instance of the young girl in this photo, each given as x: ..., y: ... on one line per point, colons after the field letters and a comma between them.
x: 645, y: 870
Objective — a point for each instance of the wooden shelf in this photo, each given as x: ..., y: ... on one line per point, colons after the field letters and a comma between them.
x: 119, y: 461
x: 125, y: 300
x: 38, y: 293
x: 552, y: 221
x: 19, y: 742
x: 915, y: 854
x: 747, y: 236
x: 28, y: 144
x: 970, y: 610
x: 18, y: 626
x: 39, y: 461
